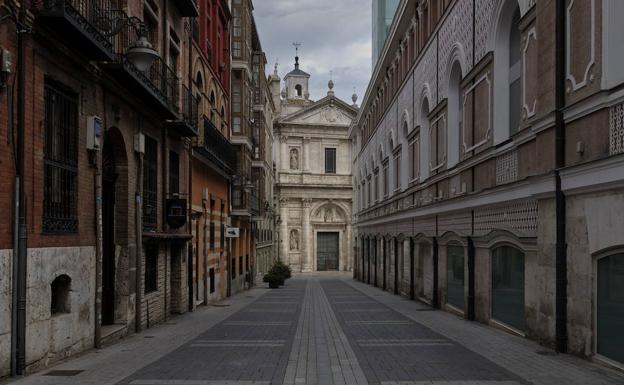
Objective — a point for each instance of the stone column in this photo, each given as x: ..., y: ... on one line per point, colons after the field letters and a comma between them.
x: 284, y: 160
x: 284, y: 230
x: 348, y: 258
x: 307, y: 238
x: 306, y: 154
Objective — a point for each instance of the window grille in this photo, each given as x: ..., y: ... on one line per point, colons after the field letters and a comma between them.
x: 60, y: 161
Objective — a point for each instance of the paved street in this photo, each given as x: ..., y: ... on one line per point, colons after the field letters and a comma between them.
x: 323, y: 330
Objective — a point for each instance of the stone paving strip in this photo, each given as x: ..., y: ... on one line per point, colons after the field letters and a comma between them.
x: 450, y: 383
x: 196, y: 382
x: 516, y: 354
x: 256, y: 323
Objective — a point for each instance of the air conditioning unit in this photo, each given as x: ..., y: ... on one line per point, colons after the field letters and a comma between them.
x: 94, y: 132
x: 139, y: 143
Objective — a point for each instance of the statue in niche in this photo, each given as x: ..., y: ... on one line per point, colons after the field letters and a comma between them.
x: 329, y: 215
x: 294, y: 240
x: 294, y: 159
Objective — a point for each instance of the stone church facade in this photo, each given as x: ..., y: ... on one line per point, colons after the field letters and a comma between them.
x: 313, y: 181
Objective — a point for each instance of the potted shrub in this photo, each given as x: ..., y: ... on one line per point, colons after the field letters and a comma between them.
x: 272, y: 279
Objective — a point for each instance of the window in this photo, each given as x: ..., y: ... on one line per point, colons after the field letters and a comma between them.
x: 236, y: 22
x: 150, y: 184
x: 299, y: 90
x: 397, y: 170
x: 212, y: 224
x: 455, y: 115
x: 330, y: 160
x: 508, y: 286
x: 437, y: 144
x: 414, y: 161
x: 151, y: 267
x: 610, y: 307
x: 60, y: 289
x: 376, y: 186
x: 386, y: 181
x: 236, y: 98
x: 233, y: 268
x: 174, y: 173
x: 211, y: 274
x: 426, y: 150
x: 236, y: 124
x: 236, y: 49
x: 240, y: 265
x: 455, y: 275
x: 60, y: 156
x: 515, y: 74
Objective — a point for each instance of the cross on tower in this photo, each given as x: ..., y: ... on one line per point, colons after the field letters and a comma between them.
x: 296, y: 45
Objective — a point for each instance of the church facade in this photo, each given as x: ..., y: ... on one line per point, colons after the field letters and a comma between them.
x: 313, y: 175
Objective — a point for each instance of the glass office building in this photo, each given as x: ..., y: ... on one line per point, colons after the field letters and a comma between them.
x: 383, y: 13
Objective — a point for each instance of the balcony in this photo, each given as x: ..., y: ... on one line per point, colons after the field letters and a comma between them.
x: 188, y: 8
x: 244, y: 203
x: 217, y: 149
x: 186, y: 126
x: 158, y: 86
x: 81, y: 22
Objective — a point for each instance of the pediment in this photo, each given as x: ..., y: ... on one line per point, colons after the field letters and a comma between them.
x: 328, y: 111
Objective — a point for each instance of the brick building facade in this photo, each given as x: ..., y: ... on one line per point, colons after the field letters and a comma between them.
x: 488, y: 167
x: 106, y: 173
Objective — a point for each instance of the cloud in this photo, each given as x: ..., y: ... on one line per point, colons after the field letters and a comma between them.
x: 335, y: 36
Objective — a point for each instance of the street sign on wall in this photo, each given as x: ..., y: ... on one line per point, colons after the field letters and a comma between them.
x: 232, y: 232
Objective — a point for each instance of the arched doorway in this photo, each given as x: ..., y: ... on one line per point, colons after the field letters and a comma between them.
x: 109, y: 180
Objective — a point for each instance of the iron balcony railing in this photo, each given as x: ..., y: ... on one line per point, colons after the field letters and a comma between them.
x: 218, y: 147
x: 190, y: 107
x: 159, y: 79
x: 87, y: 22
x: 244, y: 200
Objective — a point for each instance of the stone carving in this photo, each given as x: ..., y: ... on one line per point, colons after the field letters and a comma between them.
x: 294, y: 240
x: 330, y: 114
x: 328, y: 215
x: 294, y: 159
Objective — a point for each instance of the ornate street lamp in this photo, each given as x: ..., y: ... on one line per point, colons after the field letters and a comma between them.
x: 140, y: 52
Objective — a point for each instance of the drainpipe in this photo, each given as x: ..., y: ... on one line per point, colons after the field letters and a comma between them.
x: 412, y: 293
x: 97, y: 341
x: 561, y: 267
x: 20, y: 254
x: 192, y: 105
x: 434, y: 299
x: 138, y: 219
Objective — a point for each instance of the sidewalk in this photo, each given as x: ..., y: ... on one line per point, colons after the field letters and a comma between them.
x: 521, y: 356
x: 113, y: 363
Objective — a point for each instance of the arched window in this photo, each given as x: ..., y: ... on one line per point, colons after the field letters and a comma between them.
x: 424, y: 129
x: 455, y: 275
x: 60, y: 299
x: 199, y: 81
x: 455, y: 115
x: 515, y: 74
x: 299, y: 90
x: 508, y: 286
x: 507, y: 72
x: 609, y: 307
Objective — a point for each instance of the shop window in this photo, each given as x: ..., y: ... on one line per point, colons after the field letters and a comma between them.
x: 455, y: 275
x: 233, y: 268
x: 508, y: 286
x: 610, y: 307
x: 60, y: 299
x: 212, y: 280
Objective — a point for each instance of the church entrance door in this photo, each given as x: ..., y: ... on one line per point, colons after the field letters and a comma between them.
x: 327, y: 251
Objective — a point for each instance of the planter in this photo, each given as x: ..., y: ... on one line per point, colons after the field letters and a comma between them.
x: 281, y: 282
x: 273, y: 285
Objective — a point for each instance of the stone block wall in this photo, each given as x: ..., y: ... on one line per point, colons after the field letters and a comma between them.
x: 52, y: 337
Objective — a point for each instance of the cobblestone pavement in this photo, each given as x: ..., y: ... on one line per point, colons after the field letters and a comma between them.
x: 323, y: 329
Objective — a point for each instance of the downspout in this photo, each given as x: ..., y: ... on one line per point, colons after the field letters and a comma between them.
x: 165, y: 164
x: 434, y: 299
x: 138, y: 214
x: 561, y: 267
x: 97, y: 339
x: 192, y: 105
x: 22, y: 234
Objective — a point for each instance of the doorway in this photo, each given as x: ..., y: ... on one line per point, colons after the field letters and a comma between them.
x: 327, y: 251
x: 109, y: 181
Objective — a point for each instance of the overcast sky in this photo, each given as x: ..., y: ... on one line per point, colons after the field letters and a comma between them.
x: 335, y: 35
